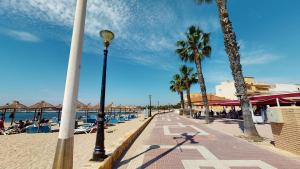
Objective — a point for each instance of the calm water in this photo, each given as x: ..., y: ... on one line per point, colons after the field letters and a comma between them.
x: 46, y: 115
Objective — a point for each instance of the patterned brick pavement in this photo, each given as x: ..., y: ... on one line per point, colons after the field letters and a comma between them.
x: 174, y: 142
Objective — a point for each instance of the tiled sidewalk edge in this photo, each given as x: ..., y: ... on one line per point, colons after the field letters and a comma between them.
x: 125, y: 143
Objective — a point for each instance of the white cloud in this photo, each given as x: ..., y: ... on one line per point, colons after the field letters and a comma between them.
x: 138, y: 26
x: 217, y: 77
x: 20, y: 35
x: 144, y: 60
x: 152, y: 61
x: 258, y: 57
x: 101, y: 14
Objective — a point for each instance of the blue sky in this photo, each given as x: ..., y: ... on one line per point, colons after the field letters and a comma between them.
x: 35, y: 39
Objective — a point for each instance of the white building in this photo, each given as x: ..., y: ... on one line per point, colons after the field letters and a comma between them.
x: 227, y: 89
x: 284, y: 88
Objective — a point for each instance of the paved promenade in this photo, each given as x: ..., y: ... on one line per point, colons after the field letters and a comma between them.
x: 174, y: 142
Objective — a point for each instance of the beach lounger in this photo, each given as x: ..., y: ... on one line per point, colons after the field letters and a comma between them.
x: 113, y: 120
x: 127, y: 118
x: 54, y: 121
x: 91, y: 119
x: 44, y: 128
x: 121, y: 119
x: 85, y: 128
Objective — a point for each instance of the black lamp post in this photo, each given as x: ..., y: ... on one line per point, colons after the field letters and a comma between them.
x: 150, y: 106
x: 99, y: 150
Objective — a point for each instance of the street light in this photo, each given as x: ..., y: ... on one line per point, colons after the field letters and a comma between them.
x: 150, y: 106
x: 157, y: 106
x: 99, y: 150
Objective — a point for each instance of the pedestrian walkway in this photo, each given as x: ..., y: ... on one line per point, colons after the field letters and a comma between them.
x: 174, y: 142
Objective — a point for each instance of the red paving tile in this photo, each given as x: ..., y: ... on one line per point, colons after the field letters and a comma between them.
x: 223, y: 147
x: 171, y: 160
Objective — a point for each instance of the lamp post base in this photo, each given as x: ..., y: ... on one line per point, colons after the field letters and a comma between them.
x: 64, y: 154
x: 99, y: 155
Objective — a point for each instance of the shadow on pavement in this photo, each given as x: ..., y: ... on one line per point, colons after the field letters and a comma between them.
x: 233, y: 121
x: 186, y: 138
x: 120, y: 163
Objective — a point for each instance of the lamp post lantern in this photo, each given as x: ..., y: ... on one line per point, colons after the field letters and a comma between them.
x: 99, y: 150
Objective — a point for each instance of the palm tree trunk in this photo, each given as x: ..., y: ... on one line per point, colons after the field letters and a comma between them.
x: 188, y: 95
x: 34, y: 115
x: 181, y: 100
x: 232, y: 50
x: 203, y: 89
x: 3, y: 115
x: 13, y: 117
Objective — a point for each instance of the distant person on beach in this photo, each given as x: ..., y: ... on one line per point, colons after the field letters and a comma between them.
x: 12, y: 117
x: 3, y: 116
x: 1, y: 124
x: 21, y: 124
x: 2, y: 129
x: 27, y: 123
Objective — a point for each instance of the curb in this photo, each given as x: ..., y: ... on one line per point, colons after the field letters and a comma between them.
x: 130, y: 138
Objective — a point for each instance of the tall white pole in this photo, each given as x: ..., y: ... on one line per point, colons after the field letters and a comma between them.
x: 64, y: 149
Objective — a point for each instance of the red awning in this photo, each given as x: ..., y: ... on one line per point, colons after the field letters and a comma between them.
x: 274, y: 96
x: 283, y: 99
x: 270, y: 101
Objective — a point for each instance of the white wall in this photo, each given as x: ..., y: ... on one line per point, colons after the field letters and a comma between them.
x: 226, y: 89
x: 285, y: 88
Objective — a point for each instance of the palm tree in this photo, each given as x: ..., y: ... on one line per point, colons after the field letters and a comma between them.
x: 188, y: 78
x: 177, y: 85
x: 232, y: 49
x: 194, y: 49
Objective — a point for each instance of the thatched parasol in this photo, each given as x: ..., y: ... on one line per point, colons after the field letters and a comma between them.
x: 79, y: 104
x: 42, y: 105
x: 110, y: 106
x: 96, y: 107
x: 85, y: 107
x: 15, y: 105
x: 59, y: 107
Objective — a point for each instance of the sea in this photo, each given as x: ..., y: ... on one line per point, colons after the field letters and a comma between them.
x: 46, y: 115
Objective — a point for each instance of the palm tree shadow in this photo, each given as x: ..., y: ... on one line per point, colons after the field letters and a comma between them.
x: 152, y: 147
x: 234, y: 121
x: 186, y: 138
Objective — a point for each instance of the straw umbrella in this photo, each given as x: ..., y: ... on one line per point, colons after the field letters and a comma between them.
x: 42, y: 105
x: 110, y: 107
x: 14, y: 106
x: 96, y: 107
x: 79, y: 104
x: 85, y: 107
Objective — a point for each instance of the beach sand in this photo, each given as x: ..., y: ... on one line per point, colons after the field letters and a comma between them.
x: 35, y: 151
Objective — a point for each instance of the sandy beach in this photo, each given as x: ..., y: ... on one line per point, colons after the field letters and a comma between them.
x: 35, y: 151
